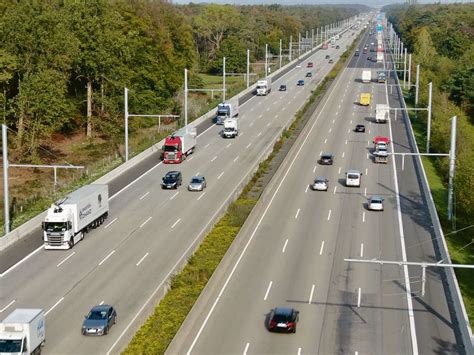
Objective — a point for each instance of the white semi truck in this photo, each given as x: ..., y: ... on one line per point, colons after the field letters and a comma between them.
x: 69, y: 219
x: 22, y: 332
x: 382, y: 113
x: 227, y: 110
x: 231, y: 128
x: 366, y: 76
x: 264, y: 87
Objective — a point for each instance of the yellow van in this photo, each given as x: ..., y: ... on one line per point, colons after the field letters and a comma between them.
x: 364, y: 99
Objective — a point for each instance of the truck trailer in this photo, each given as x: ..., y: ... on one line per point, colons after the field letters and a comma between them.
x: 264, y: 87
x: 227, y: 110
x: 69, y: 219
x: 179, y: 145
x: 366, y: 76
x: 382, y: 113
x: 23, y: 332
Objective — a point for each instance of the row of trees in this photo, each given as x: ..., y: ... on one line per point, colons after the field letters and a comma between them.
x: 441, y: 38
x: 64, y: 64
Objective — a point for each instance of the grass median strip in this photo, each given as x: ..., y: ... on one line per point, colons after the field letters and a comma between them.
x: 159, y: 329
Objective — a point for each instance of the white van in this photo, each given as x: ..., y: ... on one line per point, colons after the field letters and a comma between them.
x: 353, y: 178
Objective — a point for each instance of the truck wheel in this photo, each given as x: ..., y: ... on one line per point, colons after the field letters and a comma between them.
x: 71, y: 243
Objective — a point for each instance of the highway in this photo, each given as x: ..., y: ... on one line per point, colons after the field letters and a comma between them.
x: 291, y: 251
x: 150, y: 232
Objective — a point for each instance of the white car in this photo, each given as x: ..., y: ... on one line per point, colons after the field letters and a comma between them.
x: 298, y: 66
x: 320, y: 184
x: 375, y: 203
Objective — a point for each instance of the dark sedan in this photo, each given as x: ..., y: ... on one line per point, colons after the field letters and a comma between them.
x: 326, y: 159
x: 359, y: 128
x: 99, y: 320
x: 172, y: 180
x: 283, y: 320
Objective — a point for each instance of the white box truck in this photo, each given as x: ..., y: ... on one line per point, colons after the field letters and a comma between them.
x: 366, y: 76
x: 264, y: 87
x: 227, y: 110
x: 69, y: 219
x: 382, y: 113
x: 231, y: 128
x: 22, y: 332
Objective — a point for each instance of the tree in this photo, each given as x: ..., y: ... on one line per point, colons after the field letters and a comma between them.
x: 425, y: 52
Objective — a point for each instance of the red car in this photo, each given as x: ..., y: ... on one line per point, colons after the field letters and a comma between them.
x: 283, y: 320
x: 381, y: 139
x: 310, y: 65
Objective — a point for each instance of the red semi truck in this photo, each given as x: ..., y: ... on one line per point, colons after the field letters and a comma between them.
x: 179, y: 145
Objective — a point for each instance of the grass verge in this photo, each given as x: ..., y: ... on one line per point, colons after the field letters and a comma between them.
x: 159, y: 329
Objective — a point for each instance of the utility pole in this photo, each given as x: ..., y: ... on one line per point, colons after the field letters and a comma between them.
x: 126, y: 122
x: 452, y: 167
x: 266, y: 60
x: 6, y: 199
x: 280, y: 55
x: 428, y: 131
x: 405, y: 69
x: 417, y: 84
x: 409, y: 71
x: 185, y: 97
x: 248, y: 67
x: 291, y: 46
x: 299, y: 45
x: 312, y: 38
x: 223, y: 79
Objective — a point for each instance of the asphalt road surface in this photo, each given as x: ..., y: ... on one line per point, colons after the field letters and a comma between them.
x: 291, y: 251
x: 150, y: 231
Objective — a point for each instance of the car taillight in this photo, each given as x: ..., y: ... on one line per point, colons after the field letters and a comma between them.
x: 291, y: 324
x: 272, y: 323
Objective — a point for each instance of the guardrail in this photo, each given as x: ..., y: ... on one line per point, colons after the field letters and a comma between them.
x: 456, y: 306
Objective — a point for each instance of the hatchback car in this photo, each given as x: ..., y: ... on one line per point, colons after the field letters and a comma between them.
x: 327, y: 56
x: 298, y: 66
x: 331, y: 61
x: 375, y: 203
x: 198, y: 183
x: 99, y: 320
x: 310, y: 65
x: 337, y: 47
x: 320, y: 184
x: 326, y: 159
x: 283, y: 320
x: 309, y: 74
x: 300, y: 83
x: 282, y: 87
x: 172, y: 180
x: 359, y: 128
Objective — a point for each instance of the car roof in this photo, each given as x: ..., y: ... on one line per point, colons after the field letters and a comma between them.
x: 353, y: 171
x: 320, y: 178
x: 200, y: 177
x: 372, y: 198
x: 360, y: 125
x: 284, y: 311
x: 173, y: 172
x: 324, y: 154
x: 102, y: 307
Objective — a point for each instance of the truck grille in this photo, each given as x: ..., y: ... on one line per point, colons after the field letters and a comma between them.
x: 55, y: 240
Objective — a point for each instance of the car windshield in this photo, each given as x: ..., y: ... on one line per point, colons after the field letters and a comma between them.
x: 326, y: 156
x: 97, y: 315
x: 281, y: 318
x: 376, y: 200
x: 320, y: 180
x: 196, y: 181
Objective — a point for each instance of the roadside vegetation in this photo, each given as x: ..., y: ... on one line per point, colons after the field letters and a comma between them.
x: 64, y: 66
x: 441, y: 38
x: 158, y: 331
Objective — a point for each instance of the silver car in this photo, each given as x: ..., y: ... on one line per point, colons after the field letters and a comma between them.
x: 320, y: 184
x: 375, y: 203
x: 198, y: 183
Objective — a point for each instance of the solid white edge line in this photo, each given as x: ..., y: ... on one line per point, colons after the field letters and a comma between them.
x: 175, y: 223
x: 284, y: 246
x: 259, y: 222
x: 65, y: 259
x: 145, y: 195
x: 147, y: 220
x: 8, y: 305
x: 311, y: 294
x: 246, y: 349
x: 268, y: 290
x: 21, y: 261
x: 108, y: 256
x: 54, y: 306
x: 322, y: 248
x: 143, y: 258
x: 112, y: 221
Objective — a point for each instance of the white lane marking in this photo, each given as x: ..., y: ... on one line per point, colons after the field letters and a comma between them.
x: 246, y: 349
x: 145, y: 195
x: 213, y: 158
x: 108, y: 256
x: 343, y: 153
x: 208, y: 315
x: 329, y: 215
x: 176, y: 194
x: 248, y: 145
x: 241, y: 133
x: 260, y: 116
x: 101, y: 303
x: 368, y: 142
x: 197, y: 173
x: 337, y: 112
x: 207, y: 145
x: 268, y: 290
x: 284, y: 246
x: 325, y: 141
x: 65, y: 259
x: 299, y: 351
x: 175, y: 223
x: 368, y: 157
x: 251, y: 124
x: 366, y: 172
x: 276, y: 116
x: 346, y: 141
x: 330, y: 129
x: 297, y: 213
x: 353, y: 113
x: 8, y: 305
x: 148, y: 219
x: 259, y: 134
x: 189, y: 159
x: 339, y: 171
x: 228, y: 145
x: 358, y: 298
x: 201, y: 195
x: 268, y: 108
x: 363, y: 216
x: 311, y: 295
x: 314, y: 169
x: 321, y: 152
x: 361, y: 250
x: 235, y: 159
x: 369, y: 131
x: 143, y: 258
x: 220, y: 175
x: 349, y: 130
x: 365, y: 191
x: 333, y: 121
x: 322, y: 248
x: 268, y: 124
x: 351, y: 121
x: 112, y: 221
x: 54, y: 306
x: 307, y: 187
x: 335, y: 188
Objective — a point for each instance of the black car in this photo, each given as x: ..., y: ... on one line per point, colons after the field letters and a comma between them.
x: 99, y: 320
x: 282, y: 87
x: 331, y: 61
x: 369, y: 58
x: 309, y: 74
x: 172, y: 180
x: 337, y: 47
x: 327, y: 56
x: 300, y: 83
x: 283, y: 320
x: 359, y: 128
x: 326, y: 159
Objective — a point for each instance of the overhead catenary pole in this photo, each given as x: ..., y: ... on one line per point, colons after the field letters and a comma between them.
x: 428, y: 130
x: 6, y: 200
x: 409, y: 71
x: 248, y: 67
x: 417, y: 88
x: 312, y: 38
x: 280, y: 54
x: 405, y: 69
x: 223, y: 79
x: 185, y: 97
x: 126, y: 122
x: 291, y: 47
x: 299, y: 45
x: 452, y: 167
x: 266, y: 60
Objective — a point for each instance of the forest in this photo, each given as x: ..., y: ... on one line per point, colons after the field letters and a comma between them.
x: 441, y: 38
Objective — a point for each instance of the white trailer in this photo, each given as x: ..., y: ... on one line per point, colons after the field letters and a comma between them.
x: 22, y: 332
x: 69, y: 219
x: 264, y: 87
x: 231, y: 128
x: 227, y: 110
x: 382, y: 113
x: 366, y: 76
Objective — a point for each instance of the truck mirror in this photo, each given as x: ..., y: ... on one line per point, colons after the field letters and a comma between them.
x: 43, y: 225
